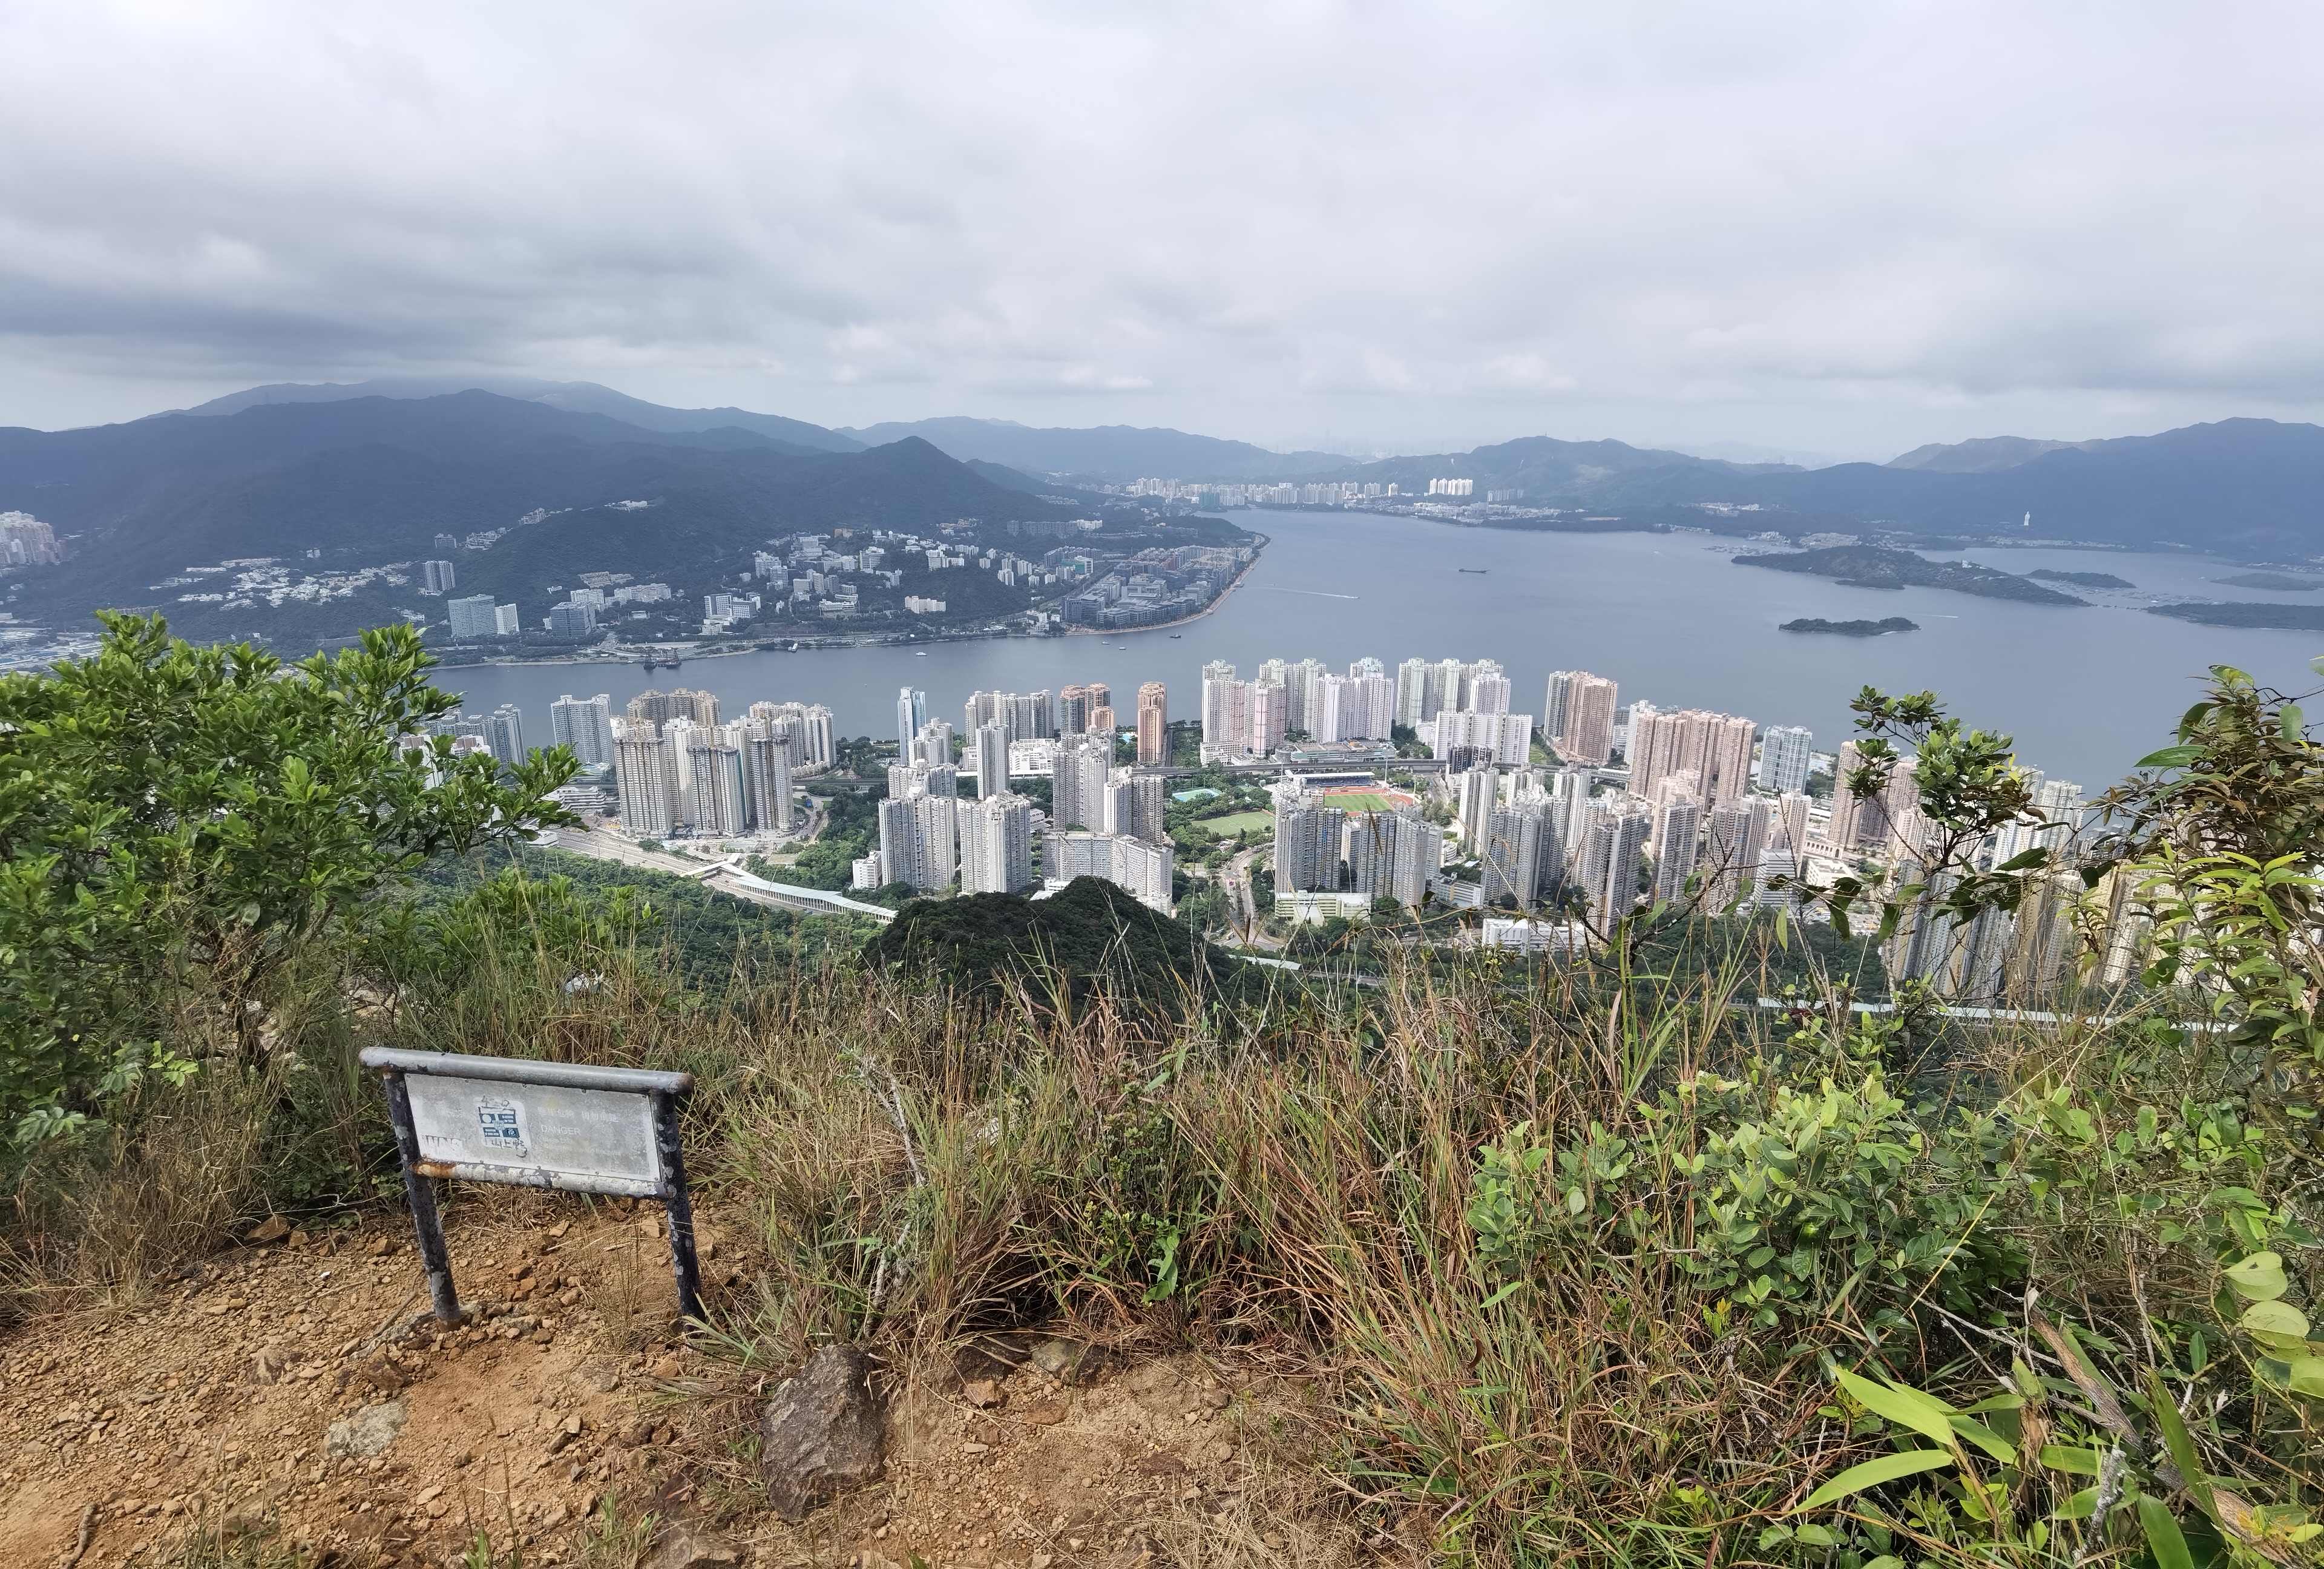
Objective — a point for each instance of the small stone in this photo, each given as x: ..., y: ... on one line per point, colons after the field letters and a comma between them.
x: 1058, y: 1358
x: 1164, y: 1464
x: 267, y: 1367
x: 1216, y: 1400
x: 428, y: 1495
x: 982, y: 1393
x: 822, y: 1433
x: 976, y: 1449
x: 273, y: 1229
x: 686, y: 1547
x: 381, y: 1247
x: 667, y: 1367
x: 1039, y: 1561
x: 371, y: 1429
x: 559, y: 1229
x: 1043, y: 1415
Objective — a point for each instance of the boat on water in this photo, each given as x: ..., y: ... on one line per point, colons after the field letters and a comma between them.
x: 1176, y: 635
x: 1474, y: 571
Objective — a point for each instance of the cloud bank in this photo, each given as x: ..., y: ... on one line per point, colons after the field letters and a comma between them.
x: 1840, y: 227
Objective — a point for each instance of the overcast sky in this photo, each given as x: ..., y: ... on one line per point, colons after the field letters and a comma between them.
x: 1843, y: 228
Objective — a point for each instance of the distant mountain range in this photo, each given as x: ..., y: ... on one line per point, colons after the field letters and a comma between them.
x: 2246, y: 487
x: 1107, y: 452
x: 154, y: 512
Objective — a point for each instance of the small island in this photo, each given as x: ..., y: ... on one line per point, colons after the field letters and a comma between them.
x: 2247, y: 613
x: 2081, y: 579
x: 2275, y: 582
x: 1879, y: 567
x: 1852, y: 628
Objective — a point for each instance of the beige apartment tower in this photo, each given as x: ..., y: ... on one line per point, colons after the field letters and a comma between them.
x: 1153, y: 725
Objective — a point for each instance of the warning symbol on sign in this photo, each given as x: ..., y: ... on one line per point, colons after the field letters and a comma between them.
x: 501, y: 1123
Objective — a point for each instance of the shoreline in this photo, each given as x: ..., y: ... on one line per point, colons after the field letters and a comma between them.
x: 1184, y: 620
x: 773, y: 646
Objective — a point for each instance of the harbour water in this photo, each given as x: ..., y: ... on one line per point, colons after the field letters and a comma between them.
x: 2087, y: 692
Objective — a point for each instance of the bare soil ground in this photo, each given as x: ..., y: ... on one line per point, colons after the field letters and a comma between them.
x: 297, y: 1394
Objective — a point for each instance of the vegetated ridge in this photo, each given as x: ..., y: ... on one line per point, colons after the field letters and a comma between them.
x: 1852, y: 628
x: 350, y: 485
x: 2080, y: 580
x: 1877, y: 566
x: 2279, y: 582
x: 2248, y: 613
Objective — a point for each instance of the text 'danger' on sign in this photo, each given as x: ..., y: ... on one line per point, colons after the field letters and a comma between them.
x: 538, y: 1135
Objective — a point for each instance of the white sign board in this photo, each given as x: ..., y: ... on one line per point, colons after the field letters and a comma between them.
x: 542, y: 1135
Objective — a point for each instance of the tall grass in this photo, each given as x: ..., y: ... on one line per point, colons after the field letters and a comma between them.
x: 1300, y: 1180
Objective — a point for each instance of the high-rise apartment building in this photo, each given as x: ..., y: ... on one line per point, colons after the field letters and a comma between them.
x: 1507, y: 737
x: 766, y: 778
x: 1580, y: 722
x: 1146, y: 871
x: 1371, y: 850
x: 933, y: 745
x: 1133, y: 806
x: 1606, y: 865
x: 472, y: 616
x: 919, y: 827
x: 1153, y: 725
x: 1226, y: 709
x: 1021, y: 715
x: 987, y: 759
x: 438, y: 576
x: 1074, y: 711
x: 1474, y: 795
x: 911, y: 713
x: 1489, y: 692
x: 716, y: 804
x: 585, y: 724
x: 807, y: 727
x: 643, y: 775
x: 1419, y: 857
x: 504, y: 734
x: 1269, y: 707
x: 996, y: 841
x: 1734, y: 845
x: 1784, y: 758
x: 1716, y: 748
x: 1412, y: 693
x: 1102, y: 721
x: 1520, y: 852
x: 1077, y: 781
x: 1307, y: 835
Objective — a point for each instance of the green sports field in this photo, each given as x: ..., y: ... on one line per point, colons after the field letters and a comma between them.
x: 1227, y: 827
x: 1358, y: 801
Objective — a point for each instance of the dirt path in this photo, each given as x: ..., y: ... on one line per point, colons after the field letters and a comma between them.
x: 299, y: 1391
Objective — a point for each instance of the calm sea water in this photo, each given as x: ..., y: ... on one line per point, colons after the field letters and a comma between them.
x: 2085, y: 691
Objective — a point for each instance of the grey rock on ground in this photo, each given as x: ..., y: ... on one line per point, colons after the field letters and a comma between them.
x: 683, y: 1547
x: 369, y: 1430
x: 823, y: 1432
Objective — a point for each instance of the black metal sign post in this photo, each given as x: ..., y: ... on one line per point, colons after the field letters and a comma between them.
x: 567, y: 1126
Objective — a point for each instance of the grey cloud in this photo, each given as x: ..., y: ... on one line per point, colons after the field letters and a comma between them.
x: 1826, y: 225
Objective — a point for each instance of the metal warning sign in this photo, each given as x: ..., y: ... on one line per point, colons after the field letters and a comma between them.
x: 572, y: 1126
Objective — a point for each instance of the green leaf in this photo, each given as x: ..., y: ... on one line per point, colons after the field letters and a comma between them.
x: 2307, y: 1376
x: 1985, y: 1439
x: 2163, y: 1537
x: 2258, y: 1279
x: 2072, y: 1459
x: 2294, y: 723
x: 1873, y: 1473
x: 1908, y: 1407
x: 2182, y: 1446
x: 2274, y: 1322
x: 2170, y: 757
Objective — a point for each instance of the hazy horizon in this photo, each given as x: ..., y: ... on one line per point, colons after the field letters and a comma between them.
x: 1809, y: 228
